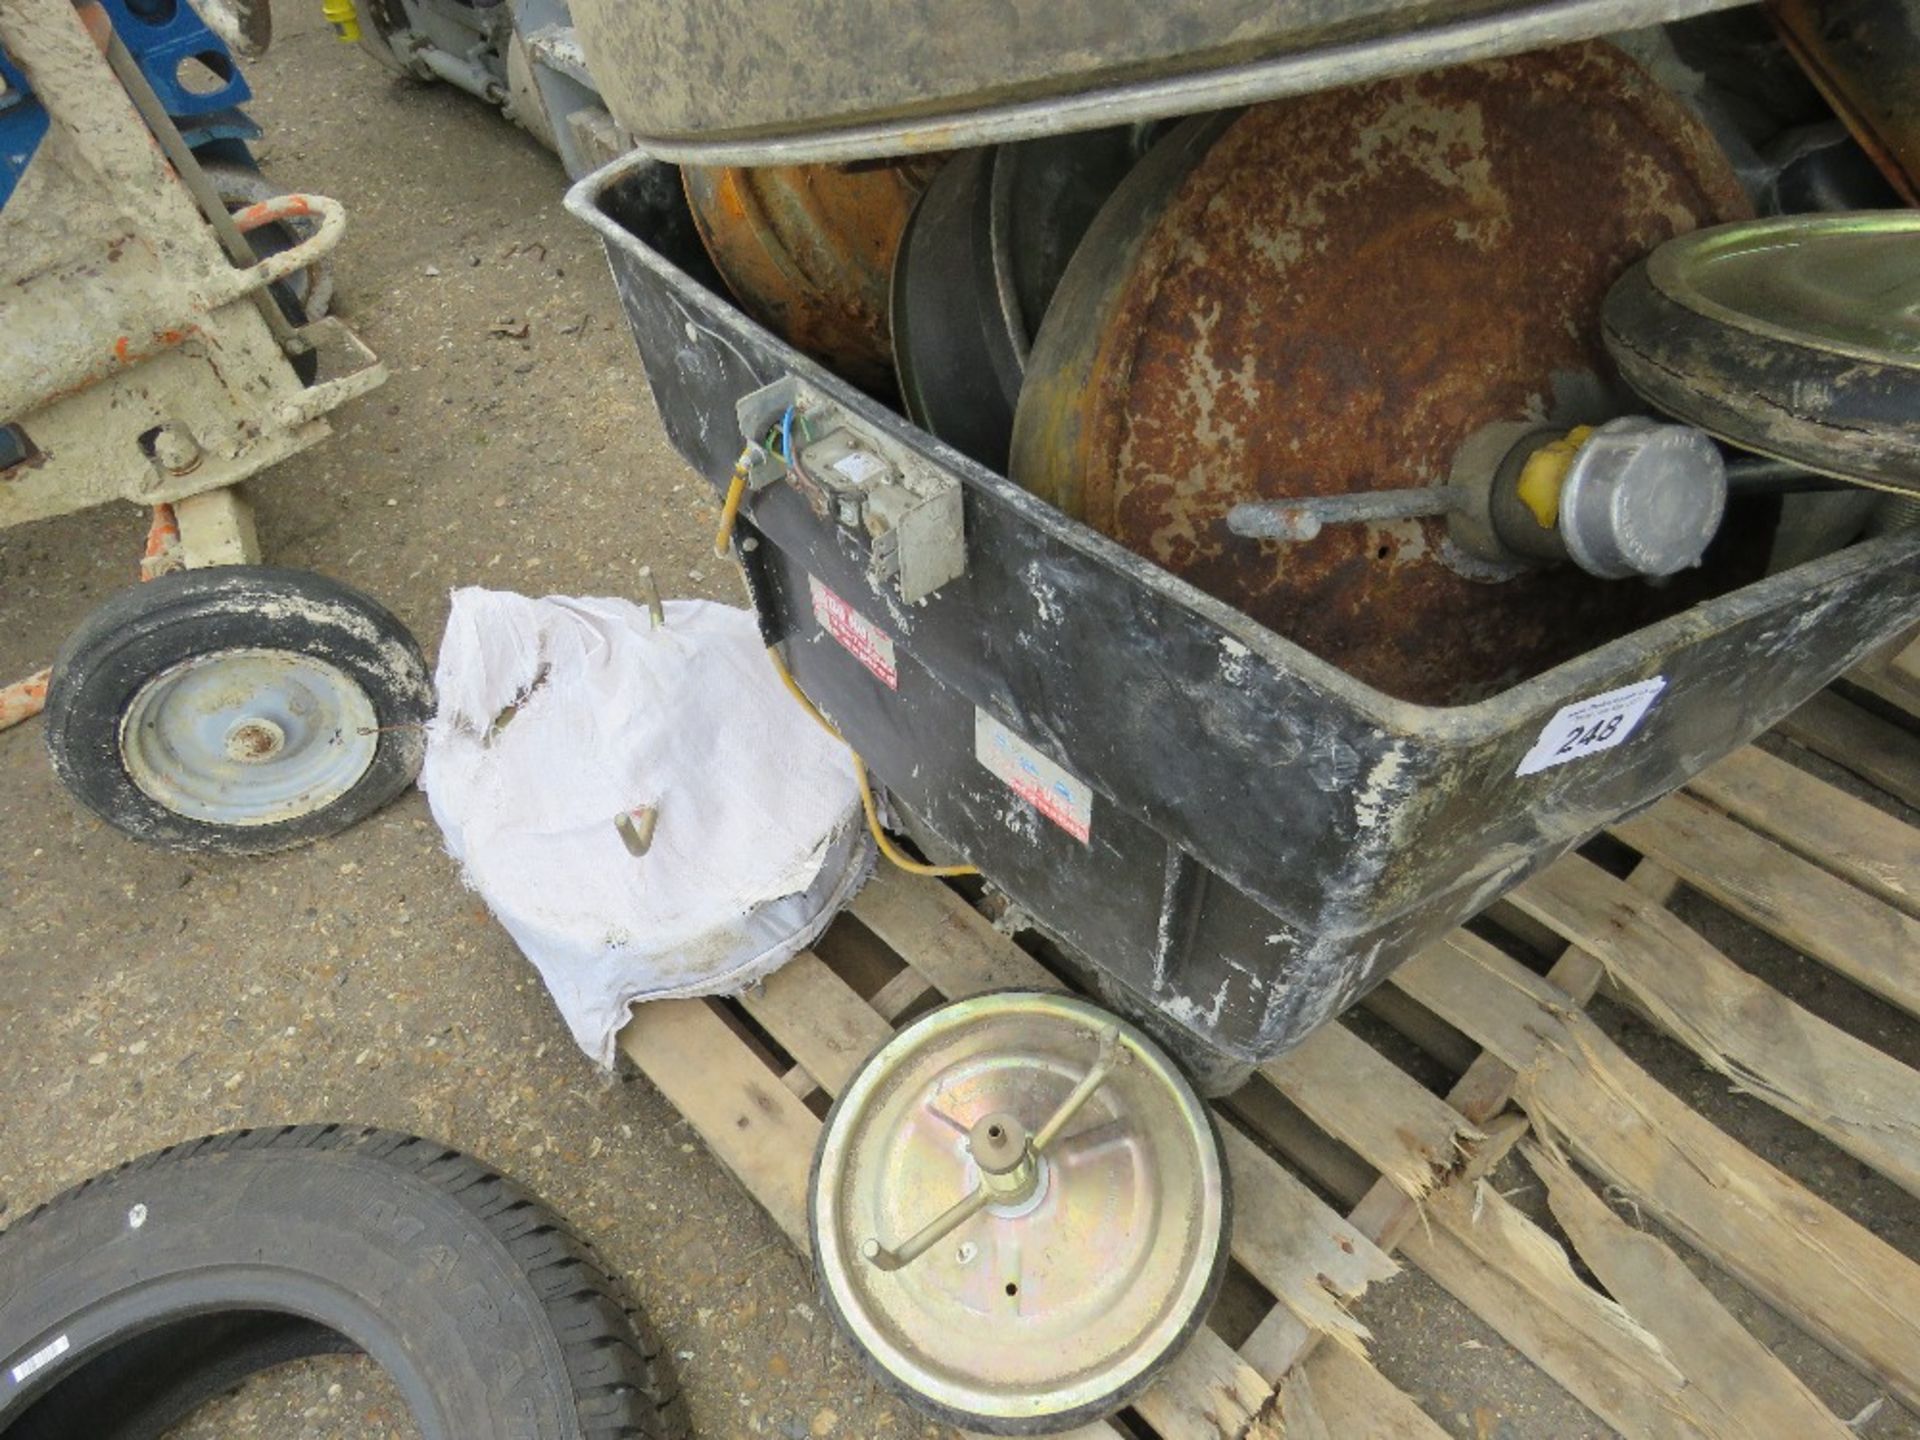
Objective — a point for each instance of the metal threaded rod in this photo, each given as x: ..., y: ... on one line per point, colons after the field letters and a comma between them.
x: 1305, y: 518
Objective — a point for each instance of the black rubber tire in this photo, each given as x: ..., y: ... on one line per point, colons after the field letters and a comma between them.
x: 260, y: 1246
x: 143, y: 631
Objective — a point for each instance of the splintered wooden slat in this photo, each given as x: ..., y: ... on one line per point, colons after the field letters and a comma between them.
x: 752, y: 1123
x: 1291, y: 1241
x: 1819, y: 822
x: 1386, y: 1212
x: 1205, y: 1393
x: 1360, y: 1403
x: 818, y: 1019
x: 1819, y: 914
x: 945, y: 939
x: 1865, y: 744
x: 1730, y: 1370
x: 1356, y: 1402
x: 1860, y: 1098
x: 1517, y: 1278
x: 1414, y: 1139
x: 1850, y: 1290
x: 1299, y: 1412
x: 1505, y: 1269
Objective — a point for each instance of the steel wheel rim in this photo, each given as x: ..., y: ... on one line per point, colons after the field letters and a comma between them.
x: 1813, y: 281
x: 1057, y: 1307
x: 248, y: 737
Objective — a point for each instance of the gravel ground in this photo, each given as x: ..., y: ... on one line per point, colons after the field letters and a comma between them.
x: 150, y: 997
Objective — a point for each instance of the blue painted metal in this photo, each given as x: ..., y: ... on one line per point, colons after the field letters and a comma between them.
x: 22, y: 124
x: 163, y: 36
x: 220, y: 125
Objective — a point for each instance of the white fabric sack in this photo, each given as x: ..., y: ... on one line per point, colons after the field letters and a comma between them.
x: 558, y: 715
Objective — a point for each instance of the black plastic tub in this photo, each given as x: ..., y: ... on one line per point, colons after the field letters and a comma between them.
x: 1239, y: 835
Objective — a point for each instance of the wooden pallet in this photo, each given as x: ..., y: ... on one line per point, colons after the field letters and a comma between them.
x: 1654, y: 1354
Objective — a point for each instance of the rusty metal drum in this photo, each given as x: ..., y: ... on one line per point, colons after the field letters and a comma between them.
x: 1329, y: 295
x: 808, y: 252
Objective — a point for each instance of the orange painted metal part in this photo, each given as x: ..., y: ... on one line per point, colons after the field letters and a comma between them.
x: 1864, y: 57
x: 808, y: 252
x: 26, y: 698
x: 1328, y: 295
x: 270, y: 210
x: 23, y: 699
x: 162, y: 554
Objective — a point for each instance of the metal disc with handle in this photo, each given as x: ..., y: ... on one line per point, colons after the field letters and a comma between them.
x: 1019, y: 1213
x: 1796, y: 337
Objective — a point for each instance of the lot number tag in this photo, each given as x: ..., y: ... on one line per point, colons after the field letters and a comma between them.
x: 1589, y: 726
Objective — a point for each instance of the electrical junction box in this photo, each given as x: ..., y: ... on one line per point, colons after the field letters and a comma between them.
x: 907, y: 513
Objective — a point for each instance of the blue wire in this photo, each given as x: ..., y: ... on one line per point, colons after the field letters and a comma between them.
x: 786, y: 435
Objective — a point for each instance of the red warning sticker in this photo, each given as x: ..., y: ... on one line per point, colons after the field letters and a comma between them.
x: 860, y: 637
x: 1061, y: 796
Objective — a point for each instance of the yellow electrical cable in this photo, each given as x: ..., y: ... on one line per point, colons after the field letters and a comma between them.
x: 730, y: 509
x: 793, y: 689
x: 867, y: 802
x: 906, y: 863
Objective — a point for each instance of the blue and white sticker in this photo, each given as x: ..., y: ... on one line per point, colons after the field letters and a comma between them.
x: 1589, y: 726
x: 1064, y: 798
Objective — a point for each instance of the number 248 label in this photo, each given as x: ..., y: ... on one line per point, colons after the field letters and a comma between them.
x: 1589, y: 726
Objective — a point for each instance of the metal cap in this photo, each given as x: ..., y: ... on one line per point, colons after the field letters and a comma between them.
x: 1642, y: 497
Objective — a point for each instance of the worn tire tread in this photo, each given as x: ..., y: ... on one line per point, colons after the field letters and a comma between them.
x: 622, y: 1385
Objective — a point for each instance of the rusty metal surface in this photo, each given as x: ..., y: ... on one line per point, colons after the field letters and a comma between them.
x: 1328, y: 295
x: 1864, y: 55
x: 808, y: 251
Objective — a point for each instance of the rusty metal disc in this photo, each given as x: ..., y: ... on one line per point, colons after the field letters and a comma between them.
x: 1329, y: 295
x: 1057, y: 1305
x: 807, y: 251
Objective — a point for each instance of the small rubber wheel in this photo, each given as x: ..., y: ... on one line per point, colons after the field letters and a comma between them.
x: 238, y: 710
x: 1065, y: 1295
x: 133, y: 1299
